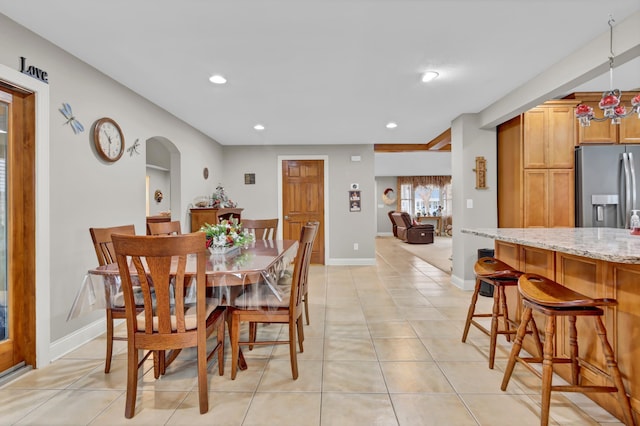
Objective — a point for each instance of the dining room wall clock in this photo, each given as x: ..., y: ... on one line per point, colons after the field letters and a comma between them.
x: 109, y: 139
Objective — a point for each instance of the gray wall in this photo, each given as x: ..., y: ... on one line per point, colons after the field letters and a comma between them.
x: 472, y: 208
x: 342, y: 228
x: 417, y: 163
x: 81, y: 191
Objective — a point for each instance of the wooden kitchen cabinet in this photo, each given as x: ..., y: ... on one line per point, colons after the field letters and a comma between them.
x: 535, y: 167
x: 601, y: 279
x: 546, y: 192
x: 536, y: 200
x: 629, y: 129
x: 510, y: 193
x: 560, y: 198
x: 549, y: 136
x: 602, y: 132
x: 597, y: 279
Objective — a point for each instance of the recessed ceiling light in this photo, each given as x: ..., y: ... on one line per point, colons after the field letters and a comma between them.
x: 258, y: 127
x: 392, y: 125
x: 429, y: 76
x: 217, y: 79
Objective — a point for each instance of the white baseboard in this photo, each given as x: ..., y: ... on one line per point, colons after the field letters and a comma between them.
x: 351, y: 262
x: 384, y: 234
x: 72, y: 341
x: 463, y: 284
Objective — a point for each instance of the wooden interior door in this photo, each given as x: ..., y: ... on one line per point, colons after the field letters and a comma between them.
x: 303, y: 201
x: 17, y: 229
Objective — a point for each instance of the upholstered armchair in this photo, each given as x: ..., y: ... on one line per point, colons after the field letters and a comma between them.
x: 410, y: 232
x: 393, y: 223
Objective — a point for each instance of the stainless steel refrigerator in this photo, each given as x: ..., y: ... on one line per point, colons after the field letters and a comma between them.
x: 606, y: 185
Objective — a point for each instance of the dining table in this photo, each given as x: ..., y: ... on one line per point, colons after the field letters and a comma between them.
x: 237, y: 271
x: 262, y: 262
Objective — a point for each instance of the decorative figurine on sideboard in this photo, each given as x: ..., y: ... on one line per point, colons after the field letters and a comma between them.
x: 220, y: 200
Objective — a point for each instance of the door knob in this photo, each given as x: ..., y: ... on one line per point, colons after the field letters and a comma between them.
x: 286, y: 217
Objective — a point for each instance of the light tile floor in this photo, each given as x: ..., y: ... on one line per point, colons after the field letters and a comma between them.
x: 383, y: 348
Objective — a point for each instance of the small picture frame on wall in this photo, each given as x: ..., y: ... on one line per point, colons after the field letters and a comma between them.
x: 249, y: 178
x: 354, y: 201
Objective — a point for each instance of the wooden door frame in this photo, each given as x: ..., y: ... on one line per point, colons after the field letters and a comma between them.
x: 325, y: 159
x: 17, y: 79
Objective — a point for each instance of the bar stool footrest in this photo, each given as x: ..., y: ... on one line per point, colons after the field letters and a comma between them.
x: 581, y: 389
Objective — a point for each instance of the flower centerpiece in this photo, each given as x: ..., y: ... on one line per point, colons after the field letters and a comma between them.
x: 226, y: 235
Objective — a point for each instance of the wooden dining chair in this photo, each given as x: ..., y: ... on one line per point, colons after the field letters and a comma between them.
x: 167, y: 322
x: 264, y: 307
x: 164, y: 228
x: 304, y: 287
x: 262, y: 229
x: 228, y: 213
x: 103, y: 246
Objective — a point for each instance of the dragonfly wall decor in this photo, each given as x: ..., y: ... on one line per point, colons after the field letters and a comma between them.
x: 71, y: 120
x: 134, y: 148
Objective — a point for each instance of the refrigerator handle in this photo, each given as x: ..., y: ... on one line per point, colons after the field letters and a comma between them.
x: 633, y: 181
x: 627, y: 190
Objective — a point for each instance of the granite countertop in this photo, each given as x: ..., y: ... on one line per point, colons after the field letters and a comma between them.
x: 609, y: 244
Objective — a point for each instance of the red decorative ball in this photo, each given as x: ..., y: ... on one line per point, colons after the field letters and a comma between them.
x: 609, y: 101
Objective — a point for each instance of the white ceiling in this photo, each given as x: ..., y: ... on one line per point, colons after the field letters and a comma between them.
x: 324, y: 71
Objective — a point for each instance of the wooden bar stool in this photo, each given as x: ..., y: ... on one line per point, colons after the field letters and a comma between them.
x: 499, y: 275
x: 553, y: 300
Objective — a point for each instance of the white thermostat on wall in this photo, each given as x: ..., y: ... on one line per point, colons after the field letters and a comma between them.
x: 355, y: 186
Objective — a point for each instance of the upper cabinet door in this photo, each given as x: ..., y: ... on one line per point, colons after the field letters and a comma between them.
x: 561, y: 137
x: 535, y: 139
x: 602, y: 132
x: 629, y: 131
x: 549, y: 136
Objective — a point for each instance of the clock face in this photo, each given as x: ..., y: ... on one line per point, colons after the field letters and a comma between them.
x: 108, y: 139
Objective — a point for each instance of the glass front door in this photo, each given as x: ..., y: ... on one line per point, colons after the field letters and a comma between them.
x: 4, y: 129
x: 17, y: 229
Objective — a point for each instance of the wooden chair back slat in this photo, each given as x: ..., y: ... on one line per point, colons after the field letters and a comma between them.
x: 228, y: 213
x: 164, y: 228
x: 102, y: 243
x: 263, y: 229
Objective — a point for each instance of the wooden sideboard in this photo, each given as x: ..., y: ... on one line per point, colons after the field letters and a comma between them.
x: 200, y: 216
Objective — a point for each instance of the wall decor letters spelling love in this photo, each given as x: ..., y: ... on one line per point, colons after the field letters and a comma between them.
x: 32, y: 71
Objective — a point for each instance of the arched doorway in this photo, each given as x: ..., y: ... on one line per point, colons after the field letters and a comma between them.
x: 163, y: 184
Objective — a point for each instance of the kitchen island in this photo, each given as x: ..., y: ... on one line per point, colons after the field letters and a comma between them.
x: 597, y: 262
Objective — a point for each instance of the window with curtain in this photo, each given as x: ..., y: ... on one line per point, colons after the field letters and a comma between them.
x: 427, y: 195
